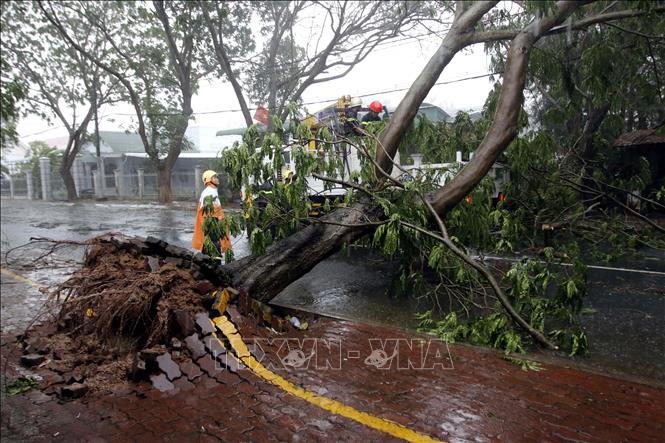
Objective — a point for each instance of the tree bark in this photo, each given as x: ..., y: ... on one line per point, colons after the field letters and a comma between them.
x: 164, y: 174
x: 72, y: 150
x: 66, y: 173
x: 456, y: 39
x: 286, y: 261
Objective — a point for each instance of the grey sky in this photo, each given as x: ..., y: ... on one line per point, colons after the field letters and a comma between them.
x: 393, y: 66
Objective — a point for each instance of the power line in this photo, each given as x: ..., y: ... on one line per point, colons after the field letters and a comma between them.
x: 387, y: 91
x: 224, y: 111
x: 43, y: 131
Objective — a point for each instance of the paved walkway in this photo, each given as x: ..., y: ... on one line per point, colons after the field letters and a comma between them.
x: 449, y: 393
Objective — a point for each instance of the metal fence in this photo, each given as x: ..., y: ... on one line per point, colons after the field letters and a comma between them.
x: 6, y: 187
x: 14, y: 187
x: 58, y: 188
x: 137, y: 185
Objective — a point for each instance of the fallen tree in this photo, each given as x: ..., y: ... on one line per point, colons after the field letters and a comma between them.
x: 409, y: 219
x: 371, y: 208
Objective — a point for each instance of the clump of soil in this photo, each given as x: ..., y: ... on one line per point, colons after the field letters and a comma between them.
x: 120, y: 302
x: 119, y: 294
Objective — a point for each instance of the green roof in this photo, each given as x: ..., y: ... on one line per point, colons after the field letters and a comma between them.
x: 238, y: 131
x: 125, y: 142
x: 121, y: 142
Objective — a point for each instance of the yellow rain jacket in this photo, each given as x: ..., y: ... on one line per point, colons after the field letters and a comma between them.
x: 197, y: 239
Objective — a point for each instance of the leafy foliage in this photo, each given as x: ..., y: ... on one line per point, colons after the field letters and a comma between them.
x: 214, y: 230
x: 11, y: 92
x: 39, y: 149
x: 548, y: 296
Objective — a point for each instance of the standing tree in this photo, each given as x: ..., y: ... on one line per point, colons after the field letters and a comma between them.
x: 11, y: 93
x: 284, y: 68
x: 39, y: 149
x: 57, y: 78
x: 230, y: 38
x: 159, y: 88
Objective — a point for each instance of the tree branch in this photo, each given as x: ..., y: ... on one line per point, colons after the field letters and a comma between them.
x: 504, y: 125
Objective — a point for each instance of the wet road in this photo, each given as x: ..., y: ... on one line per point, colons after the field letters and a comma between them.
x: 23, y: 219
x: 626, y: 330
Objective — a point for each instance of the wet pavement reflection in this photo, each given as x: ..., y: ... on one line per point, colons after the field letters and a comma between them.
x: 625, y: 328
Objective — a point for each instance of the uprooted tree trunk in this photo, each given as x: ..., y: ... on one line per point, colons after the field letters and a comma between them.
x: 265, y: 276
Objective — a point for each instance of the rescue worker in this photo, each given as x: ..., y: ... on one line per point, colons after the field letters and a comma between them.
x: 375, y: 109
x: 289, y: 175
x: 211, y: 182
x: 350, y: 119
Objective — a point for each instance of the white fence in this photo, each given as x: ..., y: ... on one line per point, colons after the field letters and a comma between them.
x: 139, y: 185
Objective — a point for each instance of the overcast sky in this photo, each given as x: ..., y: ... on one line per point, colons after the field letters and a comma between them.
x: 392, y: 67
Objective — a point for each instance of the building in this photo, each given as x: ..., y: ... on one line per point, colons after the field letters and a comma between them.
x: 122, y: 156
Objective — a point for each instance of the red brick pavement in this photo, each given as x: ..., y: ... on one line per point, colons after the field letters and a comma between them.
x: 482, y: 398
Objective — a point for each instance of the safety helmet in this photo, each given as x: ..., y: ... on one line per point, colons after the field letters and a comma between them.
x: 376, y: 106
x: 208, y: 175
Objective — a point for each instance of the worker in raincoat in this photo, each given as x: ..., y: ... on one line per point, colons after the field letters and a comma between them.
x: 210, y: 181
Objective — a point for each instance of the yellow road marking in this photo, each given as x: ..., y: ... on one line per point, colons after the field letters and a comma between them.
x: 333, y: 406
x: 13, y: 275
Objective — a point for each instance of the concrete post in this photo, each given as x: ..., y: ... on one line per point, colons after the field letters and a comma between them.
x: 28, y: 182
x: 45, y: 173
x: 458, y: 156
x: 141, y: 183
x: 117, y: 175
x: 85, y: 179
x: 101, y: 170
x: 97, y: 179
x: 198, y: 184
x: 471, y: 156
x: 417, y: 160
x: 76, y: 173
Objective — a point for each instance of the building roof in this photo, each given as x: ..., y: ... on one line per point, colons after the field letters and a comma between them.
x: 118, y: 143
x: 121, y: 142
x: 434, y: 113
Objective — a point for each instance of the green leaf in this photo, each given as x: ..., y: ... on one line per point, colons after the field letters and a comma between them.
x: 21, y: 385
x: 571, y: 289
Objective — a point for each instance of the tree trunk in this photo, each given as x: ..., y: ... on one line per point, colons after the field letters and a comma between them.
x: 225, y: 65
x: 504, y: 125
x: 266, y: 276
x: 66, y: 173
x: 175, y: 148
x: 66, y: 167
x: 455, y: 40
x: 98, y: 145
x: 164, y: 177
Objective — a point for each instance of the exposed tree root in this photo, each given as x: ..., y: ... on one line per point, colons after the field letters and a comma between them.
x: 117, y: 294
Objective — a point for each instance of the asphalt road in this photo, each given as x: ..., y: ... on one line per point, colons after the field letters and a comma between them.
x: 625, y: 329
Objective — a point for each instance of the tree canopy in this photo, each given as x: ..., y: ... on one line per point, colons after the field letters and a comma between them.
x: 432, y: 229
x: 574, y: 76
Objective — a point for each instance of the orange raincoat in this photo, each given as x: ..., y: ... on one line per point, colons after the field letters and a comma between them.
x: 197, y: 238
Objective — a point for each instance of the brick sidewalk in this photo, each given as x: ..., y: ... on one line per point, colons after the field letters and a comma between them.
x: 481, y: 398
